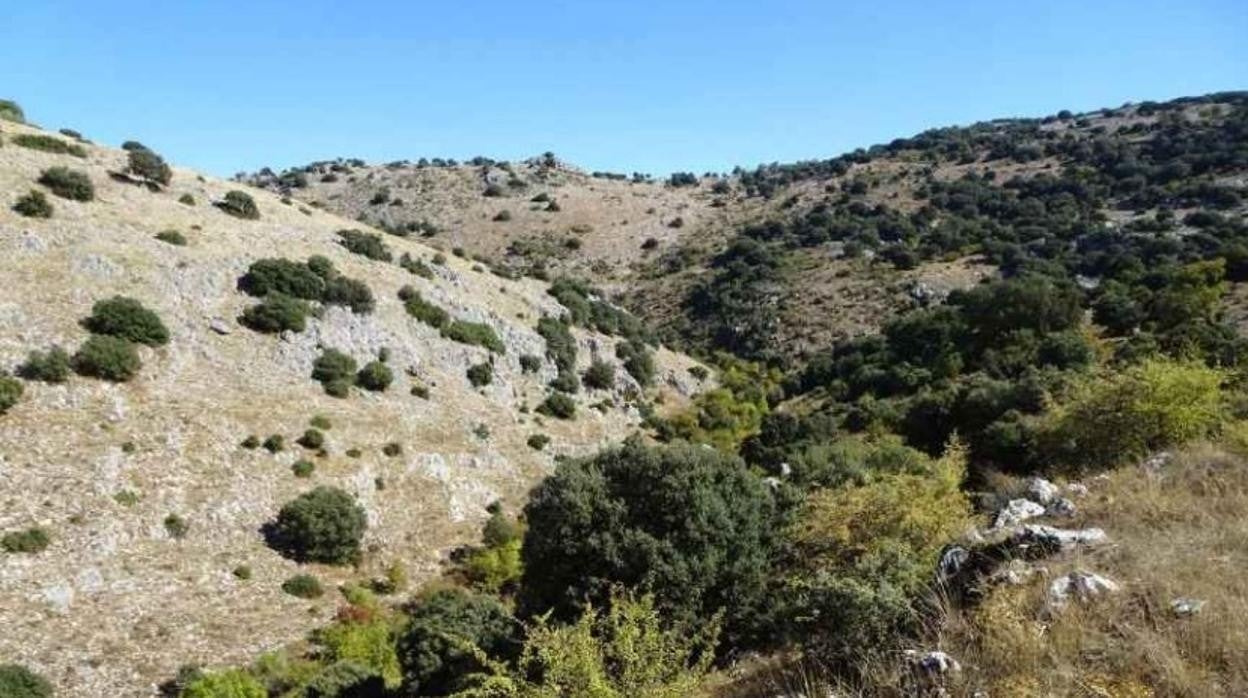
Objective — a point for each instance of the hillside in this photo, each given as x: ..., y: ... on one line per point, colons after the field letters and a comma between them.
x: 836, y: 246
x: 152, y: 505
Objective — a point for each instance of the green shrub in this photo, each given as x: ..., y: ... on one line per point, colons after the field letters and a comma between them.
x: 17, y: 681
x: 475, y: 333
x: 251, y: 443
x: 126, y: 318
x: 232, y: 683
x: 375, y: 376
x: 11, y: 391
x: 303, y: 468
x: 692, y: 524
x: 560, y: 344
x: 52, y: 366
x: 392, y: 449
x: 1123, y: 416
x: 502, y: 216
x: 11, y: 111
x: 415, y: 266
x: 339, y: 290
x: 34, y: 205
x: 638, y: 361
x: 335, y: 371
x: 304, y: 586
x: 31, y: 540
x: 240, y: 205
x: 107, y: 357
x: 322, y: 422
x: 242, y: 572
x: 558, y: 405
x: 323, y: 525
x: 492, y: 190
x: 173, y: 237
x: 68, y: 184
x: 266, y: 276
x: 537, y: 442
x: 366, y: 244
x: 176, y: 526
x: 530, y: 363
x: 421, y: 391
x: 423, y: 310
x: 480, y: 374
x: 48, y: 144
x: 312, y: 439
x: 187, y: 200
x: 600, y: 375
x: 345, y: 679
x: 446, y: 633
x: 147, y: 165
x: 275, y: 443
x: 277, y: 313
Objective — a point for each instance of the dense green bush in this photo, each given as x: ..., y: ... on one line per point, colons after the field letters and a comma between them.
x: 423, y: 310
x: 355, y: 294
x: 176, y: 526
x: 446, y: 629
x: 638, y: 361
x: 691, y: 524
x: 240, y: 205
x: 34, y: 205
x: 187, y: 200
x: 365, y: 244
x: 538, y: 442
x: 126, y: 318
x: 558, y: 405
x: 560, y: 344
x: 303, y: 468
x: 323, y: 525
x: 375, y: 376
x: 600, y: 375
x: 283, y: 276
x: 233, y: 683
x: 305, y: 586
x: 480, y: 374
x: 31, y: 540
x: 10, y: 391
x: 17, y: 681
x: 147, y: 165
x: 346, y: 679
x: 48, y: 144
x: 312, y: 439
x: 107, y: 357
x: 274, y: 443
x: 52, y: 366
x: 68, y: 184
x: 335, y: 371
x: 530, y: 363
x: 277, y: 313
x: 173, y: 237
x: 475, y: 333
x: 415, y: 266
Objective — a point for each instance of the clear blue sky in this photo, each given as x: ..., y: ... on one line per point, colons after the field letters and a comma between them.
x: 649, y: 86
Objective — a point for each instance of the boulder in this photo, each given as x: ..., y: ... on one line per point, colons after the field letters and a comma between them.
x: 1016, y: 512
x: 932, y: 663
x: 1184, y: 607
x: 1041, y: 491
x: 1056, y: 538
x: 1080, y: 585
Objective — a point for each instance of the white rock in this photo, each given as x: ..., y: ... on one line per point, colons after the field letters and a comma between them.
x: 1060, y: 506
x: 1040, y: 491
x: 1077, y: 489
x: 1184, y: 607
x: 219, y: 325
x: 1033, y: 534
x: 1081, y: 585
x: 1016, y: 512
x: 933, y: 662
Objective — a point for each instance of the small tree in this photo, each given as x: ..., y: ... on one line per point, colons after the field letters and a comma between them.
x: 323, y: 525
x: 146, y: 164
x: 334, y: 370
x: 600, y: 375
x: 375, y: 376
x: 481, y: 374
x: 558, y: 405
x: 126, y: 318
x: 240, y: 205
x: 448, y: 634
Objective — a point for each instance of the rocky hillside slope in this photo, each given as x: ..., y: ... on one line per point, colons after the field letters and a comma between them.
x: 153, y: 508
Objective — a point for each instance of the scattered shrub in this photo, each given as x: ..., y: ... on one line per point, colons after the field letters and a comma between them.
x: 392, y: 449
x: 481, y: 374
x: 173, y: 237
x: 277, y: 313
x: 415, y: 266
x: 335, y: 372
x: 11, y: 391
x: 502, y: 216
x: 339, y: 290
x: 11, y: 111
x: 323, y: 525
x: 493, y: 191
x: 375, y: 376
x: 303, y: 468
x: 346, y: 679
x: 240, y: 205
x: 48, y: 144
x: 147, y: 165
x: 107, y: 357
x: 312, y: 439
x: 365, y: 244
x: 638, y: 361
x: 421, y: 391
x: 530, y: 363
x: 176, y: 526
x: 52, y: 366
x: 242, y: 572
x: 126, y: 318
x: 267, y: 276
x: 320, y: 421
x: 17, y: 681
x: 34, y: 205
x: 31, y: 540
x: 474, y: 333
x: 600, y: 375
x: 423, y: 310
x: 538, y: 442
x: 251, y: 443
x: 304, y: 586
x: 558, y: 405
x: 186, y: 199
x: 68, y: 184
x: 232, y: 683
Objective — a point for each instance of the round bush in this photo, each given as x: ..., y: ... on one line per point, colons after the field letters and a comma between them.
x: 34, y: 205
x: 150, y: 166
x: 375, y: 376
x: 436, y: 648
x: 107, y: 357
x: 124, y: 317
x: 10, y: 392
x: 51, y: 366
x: 345, y: 679
x: 480, y: 374
x: 240, y: 205
x: 277, y: 313
x: 558, y: 405
x: 304, y: 586
x: 312, y: 438
x: 17, y: 681
x: 234, y: 683
x: 68, y: 184
x: 600, y: 375
x: 324, y: 525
